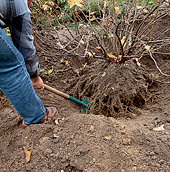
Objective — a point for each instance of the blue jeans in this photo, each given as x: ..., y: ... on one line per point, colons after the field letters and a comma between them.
x: 15, y: 82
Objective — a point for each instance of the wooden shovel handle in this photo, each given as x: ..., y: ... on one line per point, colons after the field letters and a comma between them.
x: 56, y: 91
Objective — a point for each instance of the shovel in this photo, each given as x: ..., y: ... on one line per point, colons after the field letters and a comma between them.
x: 66, y: 96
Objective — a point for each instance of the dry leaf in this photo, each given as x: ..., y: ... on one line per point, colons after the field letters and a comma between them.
x: 110, y: 35
x: 114, y: 61
x: 57, y: 120
x: 152, y: 99
x: 137, y: 61
x: 55, y: 136
x: 92, y: 19
x: 82, y: 42
x: 118, y: 10
x: 106, y: 3
x: 104, y: 22
x: 108, y: 137
x: 147, y: 47
x: 64, y: 62
x: 112, y: 56
x: 99, y: 48
x: 72, y: 3
x: 92, y: 13
x: 49, y: 71
x: 86, y: 36
x: 157, y: 93
x: 139, y: 7
x: 27, y: 155
x: 104, y: 74
x: 57, y: 12
x: 161, y: 128
x: 90, y: 54
x: 145, y: 11
x: 84, y: 65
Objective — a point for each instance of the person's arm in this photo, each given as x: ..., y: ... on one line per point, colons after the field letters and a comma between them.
x: 23, y: 40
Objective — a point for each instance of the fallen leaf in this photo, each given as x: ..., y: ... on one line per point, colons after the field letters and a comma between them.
x: 57, y: 120
x: 84, y: 65
x: 72, y: 3
x: 99, y: 48
x: 112, y: 88
x: 27, y: 154
x: 82, y: 42
x: 104, y: 74
x: 139, y: 7
x: 90, y: 54
x: 92, y: 13
x: 106, y: 3
x: 92, y: 19
x: 161, y: 128
x: 57, y: 12
x: 112, y: 56
x: 110, y: 35
x: 86, y: 36
x: 137, y: 61
x: 64, y: 62
x: 114, y: 61
x: 55, y: 136
x: 49, y: 71
x: 118, y: 10
x: 145, y: 11
x: 104, y: 22
x: 108, y: 137
x: 157, y: 93
x: 147, y: 47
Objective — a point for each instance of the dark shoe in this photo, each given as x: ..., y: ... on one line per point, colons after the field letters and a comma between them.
x: 50, y: 112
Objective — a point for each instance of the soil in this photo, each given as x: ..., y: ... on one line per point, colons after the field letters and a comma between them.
x: 126, y: 130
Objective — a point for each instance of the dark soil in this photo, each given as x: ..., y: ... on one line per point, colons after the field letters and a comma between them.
x: 127, y: 129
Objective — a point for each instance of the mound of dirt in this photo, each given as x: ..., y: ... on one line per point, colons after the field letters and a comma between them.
x: 114, y: 90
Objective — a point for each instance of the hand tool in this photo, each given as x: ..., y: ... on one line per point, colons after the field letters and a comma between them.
x: 66, y: 96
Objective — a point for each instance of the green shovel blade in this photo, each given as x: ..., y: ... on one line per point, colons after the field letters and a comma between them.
x: 82, y: 103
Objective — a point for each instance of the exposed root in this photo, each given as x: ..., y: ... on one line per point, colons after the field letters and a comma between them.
x: 114, y: 90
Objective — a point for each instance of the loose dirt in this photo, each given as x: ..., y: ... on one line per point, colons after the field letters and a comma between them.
x: 127, y: 129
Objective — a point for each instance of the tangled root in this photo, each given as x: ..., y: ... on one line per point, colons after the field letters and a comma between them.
x: 113, y: 89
